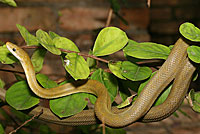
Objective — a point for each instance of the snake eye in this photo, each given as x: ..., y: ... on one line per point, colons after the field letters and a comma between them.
x: 14, y: 49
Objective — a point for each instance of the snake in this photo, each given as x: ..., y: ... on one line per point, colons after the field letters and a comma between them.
x: 177, y: 67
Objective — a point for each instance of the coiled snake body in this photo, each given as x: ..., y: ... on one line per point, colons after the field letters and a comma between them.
x: 177, y: 67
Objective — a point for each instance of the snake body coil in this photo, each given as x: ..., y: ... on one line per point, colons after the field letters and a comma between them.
x: 176, y: 66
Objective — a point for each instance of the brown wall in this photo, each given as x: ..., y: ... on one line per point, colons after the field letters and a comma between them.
x: 76, y: 19
x: 167, y: 15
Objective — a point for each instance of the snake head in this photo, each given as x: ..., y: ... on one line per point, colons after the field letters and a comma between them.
x: 19, y: 53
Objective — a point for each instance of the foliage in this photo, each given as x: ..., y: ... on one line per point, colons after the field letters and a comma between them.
x: 192, y: 33
x: 9, y: 2
x: 126, y: 74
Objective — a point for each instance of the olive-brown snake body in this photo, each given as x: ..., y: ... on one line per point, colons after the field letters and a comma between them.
x: 176, y: 66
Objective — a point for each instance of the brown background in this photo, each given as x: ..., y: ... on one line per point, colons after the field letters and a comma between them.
x: 78, y: 20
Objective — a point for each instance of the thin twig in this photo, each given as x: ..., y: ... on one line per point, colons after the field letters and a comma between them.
x: 29, y: 47
x: 109, y: 17
x: 148, y: 3
x: 68, y: 51
x: 85, y: 55
x: 12, y: 71
x: 32, y: 118
x: 11, y: 116
x: 60, y: 80
x: 93, y: 57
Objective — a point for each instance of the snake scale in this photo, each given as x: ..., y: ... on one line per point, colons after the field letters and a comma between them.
x: 177, y: 67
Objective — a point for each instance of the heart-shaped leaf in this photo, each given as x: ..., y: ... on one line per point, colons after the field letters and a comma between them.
x: 46, y: 41
x: 29, y: 38
x: 76, y: 66
x: 109, y: 40
x: 115, y: 68
x: 190, y: 32
x: 53, y: 35
x: 64, y: 43
x: 45, y: 81
x: 194, y: 53
x: 6, y: 57
x: 9, y: 2
x: 69, y: 105
x: 134, y: 72
x: 194, y: 100
x: 38, y: 59
x: 146, y: 50
x: 65, y: 106
x: 20, y: 96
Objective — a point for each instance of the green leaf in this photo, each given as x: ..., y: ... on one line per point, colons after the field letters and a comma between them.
x: 176, y: 115
x: 109, y: 40
x: 134, y: 72
x: 46, y: 41
x: 76, y: 66
x: 1, y: 129
x: 132, y: 59
x: 30, y: 39
x: 18, y: 77
x: 126, y: 102
x: 194, y: 100
x: 194, y: 53
x: 69, y: 105
x: 2, y: 84
x: 195, y: 76
x: 144, y: 83
x: 1, y: 43
x: 53, y: 35
x: 45, y: 81
x: 171, y: 46
x: 163, y: 96
x: 20, y: 96
x: 65, y: 106
x: 9, y: 2
x: 108, y: 80
x: 45, y: 129
x: 92, y: 98
x: 115, y: 5
x: 6, y: 57
x: 38, y: 59
x: 125, y: 86
x: 146, y: 50
x: 115, y: 131
x: 64, y: 43
x: 20, y: 115
x: 190, y: 32
x: 115, y: 68
x: 91, y: 62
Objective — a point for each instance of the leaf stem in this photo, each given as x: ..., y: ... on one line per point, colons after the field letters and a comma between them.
x: 85, y: 55
x: 68, y: 51
x: 12, y: 71
x: 148, y: 3
x: 93, y: 57
x: 109, y: 17
x: 32, y: 118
